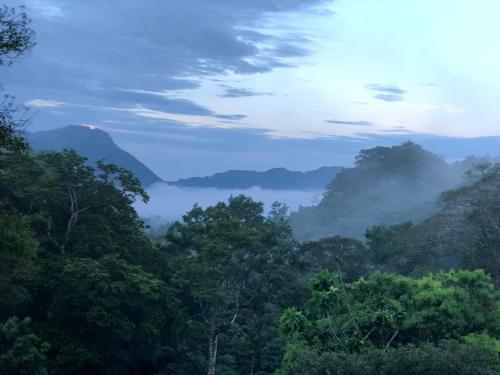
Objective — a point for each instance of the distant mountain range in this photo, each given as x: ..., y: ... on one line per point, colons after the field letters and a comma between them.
x: 95, y: 145
x: 276, y: 178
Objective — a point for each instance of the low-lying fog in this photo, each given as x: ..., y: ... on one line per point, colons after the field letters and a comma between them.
x: 171, y: 202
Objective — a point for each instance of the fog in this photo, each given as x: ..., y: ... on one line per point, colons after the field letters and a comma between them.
x: 171, y: 202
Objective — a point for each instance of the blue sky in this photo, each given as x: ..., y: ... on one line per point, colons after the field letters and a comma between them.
x: 192, y: 87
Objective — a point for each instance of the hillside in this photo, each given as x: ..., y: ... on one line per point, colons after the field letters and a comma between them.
x: 465, y: 232
x: 276, y: 178
x: 387, y: 185
x: 95, y: 145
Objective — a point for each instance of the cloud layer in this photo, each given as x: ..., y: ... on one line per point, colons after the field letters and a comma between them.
x: 93, y: 56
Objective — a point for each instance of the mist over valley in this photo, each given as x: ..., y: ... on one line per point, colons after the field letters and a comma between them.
x: 169, y: 202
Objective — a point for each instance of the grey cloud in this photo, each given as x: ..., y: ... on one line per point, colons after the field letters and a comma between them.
x: 175, y: 37
x: 389, y: 97
x: 94, y: 48
x: 231, y: 117
x: 399, y: 131
x: 154, y: 101
x: 387, y: 93
x: 232, y: 92
x: 390, y: 89
x: 291, y: 50
x: 355, y: 123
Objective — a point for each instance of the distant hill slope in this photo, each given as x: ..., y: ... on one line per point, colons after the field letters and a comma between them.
x: 463, y: 233
x: 277, y: 179
x: 95, y: 145
x: 388, y: 185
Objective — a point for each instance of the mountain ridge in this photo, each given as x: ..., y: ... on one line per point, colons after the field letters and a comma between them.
x: 387, y: 185
x: 94, y: 144
x: 274, y: 179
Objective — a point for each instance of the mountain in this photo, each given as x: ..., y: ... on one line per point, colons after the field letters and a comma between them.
x: 463, y: 233
x: 387, y: 185
x: 95, y: 145
x: 276, y: 178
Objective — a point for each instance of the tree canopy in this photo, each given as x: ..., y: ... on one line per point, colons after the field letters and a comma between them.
x: 382, y: 323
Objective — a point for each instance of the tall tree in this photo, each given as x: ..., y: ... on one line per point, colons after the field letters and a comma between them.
x: 17, y: 39
x: 234, y: 268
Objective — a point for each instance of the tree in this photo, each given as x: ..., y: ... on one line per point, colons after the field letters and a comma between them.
x: 16, y: 35
x: 388, y: 316
x: 83, y: 211
x: 75, y: 259
x: 279, y: 211
x: 21, y: 351
x: 387, y: 185
x: 449, y: 357
x: 18, y: 250
x: 108, y: 316
x: 11, y: 127
x: 389, y: 246
x: 479, y: 205
x: 234, y: 269
x: 345, y: 255
x: 464, y: 233
x: 16, y: 41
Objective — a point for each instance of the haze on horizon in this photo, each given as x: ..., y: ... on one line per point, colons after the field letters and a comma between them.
x: 194, y: 87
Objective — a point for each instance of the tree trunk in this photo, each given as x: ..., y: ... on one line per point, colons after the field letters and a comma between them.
x: 212, y: 351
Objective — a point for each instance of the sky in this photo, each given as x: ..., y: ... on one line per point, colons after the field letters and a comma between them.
x: 193, y: 87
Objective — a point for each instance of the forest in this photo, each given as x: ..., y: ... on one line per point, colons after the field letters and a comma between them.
x: 338, y: 288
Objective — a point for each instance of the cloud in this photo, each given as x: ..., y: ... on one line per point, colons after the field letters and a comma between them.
x: 354, y: 123
x: 387, y: 93
x: 182, y: 38
x: 290, y: 50
x: 399, y: 130
x: 46, y: 9
x: 232, y: 92
x: 41, y: 103
x: 388, y: 97
x: 231, y: 117
x: 153, y: 100
x: 136, y: 61
x: 386, y: 88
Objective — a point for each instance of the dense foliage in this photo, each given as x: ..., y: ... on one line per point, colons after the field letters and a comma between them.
x: 83, y: 284
x: 384, y: 323
x: 235, y: 270
x: 463, y: 233
x: 387, y: 185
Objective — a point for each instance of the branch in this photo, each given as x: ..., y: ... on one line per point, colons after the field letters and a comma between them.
x: 237, y: 308
x: 390, y: 341
x: 369, y: 333
x: 347, y: 300
x: 49, y: 234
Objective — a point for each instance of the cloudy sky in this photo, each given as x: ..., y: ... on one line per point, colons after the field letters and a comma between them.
x: 197, y: 86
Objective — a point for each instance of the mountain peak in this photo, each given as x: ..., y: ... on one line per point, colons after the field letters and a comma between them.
x: 93, y: 143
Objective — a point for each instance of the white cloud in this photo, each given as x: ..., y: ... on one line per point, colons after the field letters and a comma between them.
x: 47, y: 9
x: 42, y: 103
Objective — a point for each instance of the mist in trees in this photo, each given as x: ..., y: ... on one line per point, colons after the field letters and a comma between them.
x: 387, y: 185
